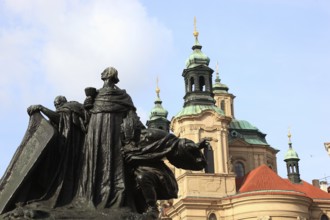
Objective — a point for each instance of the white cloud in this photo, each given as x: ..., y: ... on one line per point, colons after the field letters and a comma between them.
x: 63, y: 46
x: 57, y: 47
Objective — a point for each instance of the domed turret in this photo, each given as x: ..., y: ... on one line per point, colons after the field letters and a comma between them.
x: 198, y: 77
x: 291, y: 154
x: 218, y: 87
x: 223, y: 99
x: 197, y: 57
x: 292, y: 163
x: 158, y: 115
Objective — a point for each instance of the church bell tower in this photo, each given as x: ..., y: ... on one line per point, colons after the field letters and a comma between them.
x: 201, y: 119
x: 198, y: 77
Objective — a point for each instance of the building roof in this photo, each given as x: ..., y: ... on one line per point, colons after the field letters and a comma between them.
x: 291, y: 154
x: 197, y: 109
x: 219, y: 87
x: 310, y: 190
x: 264, y: 180
x: 158, y: 111
x: 197, y: 57
x: 244, y: 130
x: 242, y: 124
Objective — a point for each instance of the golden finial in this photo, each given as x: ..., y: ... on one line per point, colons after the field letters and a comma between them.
x: 217, y: 78
x: 289, y: 136
x: 195, y: 28
x: 157, y: 88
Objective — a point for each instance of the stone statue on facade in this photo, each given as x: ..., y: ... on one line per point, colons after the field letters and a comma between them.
x: 94, y: 160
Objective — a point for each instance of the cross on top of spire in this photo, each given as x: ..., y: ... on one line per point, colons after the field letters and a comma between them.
x: 157, y: 88
x: 195, y: 29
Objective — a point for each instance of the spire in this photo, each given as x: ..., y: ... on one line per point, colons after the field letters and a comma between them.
x: 158, y: 115
x: 218, y: 87
x: 197, y: 57
x: 198, y: 77
x: 157, y: 88
x: 291, y: 153
x: 196, y: 33
x: 158, y: 100
x: 292, y: 162
x: 289, y: 136
x: 217, y: 79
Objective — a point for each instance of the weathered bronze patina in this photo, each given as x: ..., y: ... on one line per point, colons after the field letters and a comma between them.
x: 94, y: 160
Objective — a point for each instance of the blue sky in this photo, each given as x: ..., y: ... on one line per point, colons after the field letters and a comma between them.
x: 273, y: 55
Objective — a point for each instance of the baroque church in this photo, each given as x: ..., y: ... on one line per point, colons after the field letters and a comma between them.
x: 240, y: 180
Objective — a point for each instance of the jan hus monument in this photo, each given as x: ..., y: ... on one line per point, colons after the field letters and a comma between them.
x: 94, y: 160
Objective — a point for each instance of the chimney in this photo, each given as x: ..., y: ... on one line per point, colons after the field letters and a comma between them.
x: 324, y: 186
x: 316, y: 183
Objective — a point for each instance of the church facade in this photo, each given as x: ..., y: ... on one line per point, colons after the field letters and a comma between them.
x: 240, y: 180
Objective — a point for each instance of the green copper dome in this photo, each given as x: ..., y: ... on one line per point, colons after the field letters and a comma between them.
x: 244, y: 130
x: 242, y: 124
x: 158, y: 111
x: 218, y: 87
x: 197, y: 109
x: 291, y: 154
x: 158, y: 115
x: 197, y: 57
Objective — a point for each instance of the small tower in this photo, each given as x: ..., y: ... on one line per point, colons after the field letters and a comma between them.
x: 292, y: 163
x: 158, y: 115
x: 201, y: 119
x: 223, y: 99
x: 198, y: 76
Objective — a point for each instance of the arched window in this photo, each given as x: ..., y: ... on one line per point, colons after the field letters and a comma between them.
x: 192, y: 84
x: 324, y: 217
x: 201, y: 83
x: 291, y: 168
x: 212, y: 217
x: 239, y: 169
x: 222, y: 106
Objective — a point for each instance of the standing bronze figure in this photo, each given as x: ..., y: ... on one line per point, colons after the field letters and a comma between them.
x: 103, y: 183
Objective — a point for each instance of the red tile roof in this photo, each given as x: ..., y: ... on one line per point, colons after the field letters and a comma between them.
x: 310, y: 190
x: 264, y: 180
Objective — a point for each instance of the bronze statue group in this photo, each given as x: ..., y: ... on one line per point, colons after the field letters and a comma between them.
x: 103, y: 157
